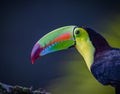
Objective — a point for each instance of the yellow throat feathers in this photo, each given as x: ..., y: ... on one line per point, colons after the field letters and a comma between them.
x: 85, y: 48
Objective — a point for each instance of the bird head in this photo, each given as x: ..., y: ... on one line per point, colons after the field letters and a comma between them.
x: 64, y: 38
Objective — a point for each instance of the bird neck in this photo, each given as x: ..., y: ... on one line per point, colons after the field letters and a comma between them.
x: 92, y: 47
x: 98, y: 41
x: 87, y: 50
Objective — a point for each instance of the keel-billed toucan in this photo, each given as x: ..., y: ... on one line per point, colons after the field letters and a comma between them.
x: 102, y: 60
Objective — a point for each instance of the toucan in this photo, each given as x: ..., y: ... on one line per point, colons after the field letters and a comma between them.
x: 102, y: 60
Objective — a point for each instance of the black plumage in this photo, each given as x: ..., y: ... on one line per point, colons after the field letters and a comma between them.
x: 106, y: 65
x: 106, y: 68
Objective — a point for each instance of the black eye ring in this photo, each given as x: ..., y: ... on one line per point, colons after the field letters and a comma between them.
x: 77, y: 32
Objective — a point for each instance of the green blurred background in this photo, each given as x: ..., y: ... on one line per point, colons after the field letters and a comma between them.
x: 23, y: 22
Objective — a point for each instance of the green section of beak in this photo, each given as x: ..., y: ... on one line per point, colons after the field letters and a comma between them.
x: 45, y: 40
x: 58, y: 39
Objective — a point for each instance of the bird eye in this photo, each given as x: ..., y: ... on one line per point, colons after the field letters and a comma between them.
x: 77, y: 32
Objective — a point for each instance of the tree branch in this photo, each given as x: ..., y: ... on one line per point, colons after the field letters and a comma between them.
x: 8, y: 89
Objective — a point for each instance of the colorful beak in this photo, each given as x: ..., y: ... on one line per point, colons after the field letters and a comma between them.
x: 58, y: 39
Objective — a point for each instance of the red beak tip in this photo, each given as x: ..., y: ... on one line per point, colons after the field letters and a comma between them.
x: 32, y: 62
x: 35, y: 53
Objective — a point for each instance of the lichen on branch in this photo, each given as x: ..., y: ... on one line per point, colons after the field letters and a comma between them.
x: 9, y: 89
